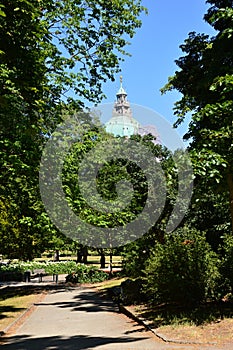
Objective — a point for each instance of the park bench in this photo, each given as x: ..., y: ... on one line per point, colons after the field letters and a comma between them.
x: 34, y: 274
x: 38, y: 273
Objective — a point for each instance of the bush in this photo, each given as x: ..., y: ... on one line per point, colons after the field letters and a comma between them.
x: 131, y: 291
x: 85, y: 274
x: 6, y: 276
x: 226, y: 269
x: 183, y: 270
x: 135, y: 255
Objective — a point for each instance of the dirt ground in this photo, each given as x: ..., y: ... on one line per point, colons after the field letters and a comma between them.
x: 219, y: 332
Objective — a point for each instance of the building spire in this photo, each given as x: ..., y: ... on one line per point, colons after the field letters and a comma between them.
x: 122, y: 106
x: 122, y: 122
x: 121, y: 91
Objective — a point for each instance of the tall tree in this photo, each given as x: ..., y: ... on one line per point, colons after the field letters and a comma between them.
x: 50, y: 51
x: 116, y: 197
x: 87, y: 42
x: 205, y: 80
x: 22, y: 97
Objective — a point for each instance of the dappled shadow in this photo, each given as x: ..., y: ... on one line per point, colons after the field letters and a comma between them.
x: 12, y: 291
x: 16, y: 291
x: 27, y: 289
x: 94, y: 301
x: 88, y: 301
x: 9, y: 308
x: 138, y: 330
x: 167, y: 314
x: 81, y: 342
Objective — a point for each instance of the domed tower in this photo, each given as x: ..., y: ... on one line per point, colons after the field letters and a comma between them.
x: 122, y: 122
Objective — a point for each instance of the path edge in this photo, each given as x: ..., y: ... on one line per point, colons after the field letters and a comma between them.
x: 123, y: 309
x: 23, y: 316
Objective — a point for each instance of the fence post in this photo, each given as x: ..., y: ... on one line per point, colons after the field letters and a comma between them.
x: 27, y: 276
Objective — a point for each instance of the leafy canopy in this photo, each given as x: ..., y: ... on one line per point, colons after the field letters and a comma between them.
x: 205, y: 80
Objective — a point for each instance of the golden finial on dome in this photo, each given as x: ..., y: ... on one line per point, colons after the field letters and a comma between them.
x: 121, y: 78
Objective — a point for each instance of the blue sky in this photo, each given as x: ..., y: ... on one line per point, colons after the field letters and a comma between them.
x: 154, y: 49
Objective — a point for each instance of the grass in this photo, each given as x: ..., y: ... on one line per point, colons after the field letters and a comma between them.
x: 174, y: 314
x: 105, y: 285
x: 209, y: 322
x: 14, y: 302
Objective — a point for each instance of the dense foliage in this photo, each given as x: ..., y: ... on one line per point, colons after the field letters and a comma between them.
x: 226, y: 268
x: 87, y: 275
x: 184, y: 269
x: 103, y: 207
x: 205, y: 79
x: 54, y: 55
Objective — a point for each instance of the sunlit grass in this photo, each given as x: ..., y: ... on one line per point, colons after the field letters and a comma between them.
x: 91, y: 259
x: 14, y: 303
x: 105, y: 285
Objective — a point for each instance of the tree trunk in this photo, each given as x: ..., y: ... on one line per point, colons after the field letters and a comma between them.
x: 102, y: 261
x: 85, y: 254
x: 56, y: 255
x: 230, y: 185
x: 110, y: 265
x: 79, y: 256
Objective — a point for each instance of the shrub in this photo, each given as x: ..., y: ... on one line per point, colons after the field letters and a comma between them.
x: 227, y: 266
x: 135, y: 255
x: 184, y: 269
x: 131, y: 291
x: 85, y: 274
x: 6, y: 276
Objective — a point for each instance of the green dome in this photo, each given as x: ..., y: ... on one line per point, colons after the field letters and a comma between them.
x: 122, y: 125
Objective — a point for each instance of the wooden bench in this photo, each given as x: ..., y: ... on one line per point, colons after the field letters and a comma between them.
x: 38, y: 273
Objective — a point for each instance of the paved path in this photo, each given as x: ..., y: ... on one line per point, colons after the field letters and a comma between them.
x: 77, y: 318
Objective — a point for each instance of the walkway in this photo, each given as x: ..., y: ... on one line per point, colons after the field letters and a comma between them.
x: 77, y: 318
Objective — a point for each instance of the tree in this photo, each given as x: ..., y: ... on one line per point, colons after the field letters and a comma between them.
x: 22, y: 97
x: 110, y: 193
x: 50, y: 50
x: 87, y: 42
x: 137, y: 253
x: 205, y: 80
x: 209, y: 212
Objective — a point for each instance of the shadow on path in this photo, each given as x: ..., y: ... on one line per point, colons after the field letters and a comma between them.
x: 80, y: 342
x: 87, y: 301
x: 77, y: 320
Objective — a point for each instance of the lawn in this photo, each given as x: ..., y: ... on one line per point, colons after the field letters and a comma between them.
x: 105, y: 285
x: 14, y: 301
x: 91, y: 259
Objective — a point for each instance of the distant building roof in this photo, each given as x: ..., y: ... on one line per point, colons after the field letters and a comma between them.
x: 122, y: 122
x: 122, y: 125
